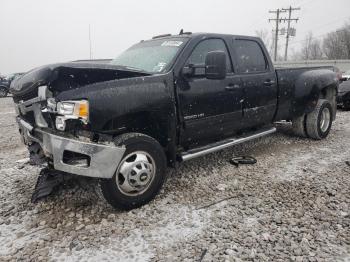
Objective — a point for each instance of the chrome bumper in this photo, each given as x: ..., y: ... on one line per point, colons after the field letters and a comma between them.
x: 103, y: 162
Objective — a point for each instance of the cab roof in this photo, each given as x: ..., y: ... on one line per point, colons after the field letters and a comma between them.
x: 201, y: 35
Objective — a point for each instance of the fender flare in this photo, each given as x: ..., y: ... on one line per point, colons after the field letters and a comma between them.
x: 308, y: 89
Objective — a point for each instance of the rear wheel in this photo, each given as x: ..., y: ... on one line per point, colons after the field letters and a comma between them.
x: 319, y: 121
x: 346, y: 105
x: 3, y: 91
x: 140, y: 174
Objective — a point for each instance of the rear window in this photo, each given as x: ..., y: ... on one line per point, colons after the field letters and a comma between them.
x: 250, y: 56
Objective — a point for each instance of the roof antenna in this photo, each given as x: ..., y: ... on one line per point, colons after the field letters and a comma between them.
x: 181, y: 32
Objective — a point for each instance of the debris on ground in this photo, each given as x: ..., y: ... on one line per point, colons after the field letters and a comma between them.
x: 48, y: 181
x: 244, y: 160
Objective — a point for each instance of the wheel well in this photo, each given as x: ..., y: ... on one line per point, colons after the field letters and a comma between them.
x: 149, y: 124
x: 330, y: 94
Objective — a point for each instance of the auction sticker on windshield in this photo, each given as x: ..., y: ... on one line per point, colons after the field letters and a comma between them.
x: 172, y: 43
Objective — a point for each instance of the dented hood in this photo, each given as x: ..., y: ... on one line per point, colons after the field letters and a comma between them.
x: 65, y: 76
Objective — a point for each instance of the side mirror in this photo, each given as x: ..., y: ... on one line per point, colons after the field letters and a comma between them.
x: 188, y: 71
x: 215, y: 65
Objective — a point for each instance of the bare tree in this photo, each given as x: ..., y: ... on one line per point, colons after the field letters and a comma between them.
x: 315, y: 49
x: 311, y: 48
x: 345, y: 38
x: 332, y: 46
x: 264, y: 35
x: 336, y: 45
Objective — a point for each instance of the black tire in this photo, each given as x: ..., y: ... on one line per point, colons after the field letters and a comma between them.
x: 314, y: 120
x: 346, y: 105
x: 298, y: 126
x: 3, y: 91
x: 135, y: 142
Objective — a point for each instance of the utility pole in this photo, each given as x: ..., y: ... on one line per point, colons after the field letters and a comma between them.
x: 290, y: 31
x: 278, y: 20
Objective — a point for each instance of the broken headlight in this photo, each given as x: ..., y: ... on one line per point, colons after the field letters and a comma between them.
x: 72, y: 110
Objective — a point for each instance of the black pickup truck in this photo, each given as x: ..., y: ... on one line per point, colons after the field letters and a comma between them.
x: 163, y: 101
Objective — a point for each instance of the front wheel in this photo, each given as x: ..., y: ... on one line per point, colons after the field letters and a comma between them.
x: 319, y: 121
x: 140, y: 174
x: 3, y: 91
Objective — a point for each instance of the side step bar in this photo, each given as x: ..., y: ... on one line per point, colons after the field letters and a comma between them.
x: 201, y: 151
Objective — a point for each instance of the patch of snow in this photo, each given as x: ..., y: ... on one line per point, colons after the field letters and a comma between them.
x: 141, y: 244
x: 7, y: 113
x: 16, y: 235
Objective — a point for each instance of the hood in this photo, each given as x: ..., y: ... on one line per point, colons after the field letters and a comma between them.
x: 65, y: 76
x: 344, y: 87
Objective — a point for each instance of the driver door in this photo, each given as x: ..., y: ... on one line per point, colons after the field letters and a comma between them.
x: 211, y: 109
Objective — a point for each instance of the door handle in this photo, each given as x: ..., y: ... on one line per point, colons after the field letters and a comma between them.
x: 269, y: 82
x: 231, y: 87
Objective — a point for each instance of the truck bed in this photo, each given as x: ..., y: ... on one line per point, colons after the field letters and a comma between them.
x: 295, y: 83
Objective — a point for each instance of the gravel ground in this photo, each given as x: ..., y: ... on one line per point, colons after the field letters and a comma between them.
x: 292, y: 205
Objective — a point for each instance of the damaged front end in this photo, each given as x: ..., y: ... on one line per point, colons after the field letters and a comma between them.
x: 63, y: 153
x: 57, y: 133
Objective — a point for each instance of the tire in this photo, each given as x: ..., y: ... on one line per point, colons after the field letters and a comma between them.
x: 3, y: 91
x: 319, y: 121
x: 129, y: 189
x: 298, y: 126
x: 346, y: 105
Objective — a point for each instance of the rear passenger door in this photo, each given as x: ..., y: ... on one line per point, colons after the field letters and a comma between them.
x: 258, y: 81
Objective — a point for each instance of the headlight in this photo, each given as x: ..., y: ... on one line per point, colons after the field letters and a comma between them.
x: 65, y: 108
x: 74, y: 109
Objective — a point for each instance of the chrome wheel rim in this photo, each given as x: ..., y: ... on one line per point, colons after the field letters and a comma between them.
x: 325, y: 119
x: 135, y: 173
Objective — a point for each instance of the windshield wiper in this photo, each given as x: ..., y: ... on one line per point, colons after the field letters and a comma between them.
x: 132, y: 68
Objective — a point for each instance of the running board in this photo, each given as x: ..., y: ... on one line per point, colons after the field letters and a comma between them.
x: 201, y: 151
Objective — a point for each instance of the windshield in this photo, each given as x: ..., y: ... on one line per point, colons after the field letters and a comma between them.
x: 153, y: 56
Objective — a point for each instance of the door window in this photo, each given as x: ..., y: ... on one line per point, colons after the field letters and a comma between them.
x: 250, y: 57
x: 203, y: 48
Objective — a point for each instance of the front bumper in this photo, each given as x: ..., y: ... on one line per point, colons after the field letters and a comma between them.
x: 103, y: 159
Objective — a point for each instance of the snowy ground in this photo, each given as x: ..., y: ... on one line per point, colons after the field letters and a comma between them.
x: 294, y: 204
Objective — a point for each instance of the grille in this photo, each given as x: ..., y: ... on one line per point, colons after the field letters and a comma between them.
x: 26, y: 96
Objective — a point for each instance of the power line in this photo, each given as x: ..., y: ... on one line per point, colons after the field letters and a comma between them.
x: 303, y: 3
x: 262, y: 17
x: 278, y: 21
x: 289, y: 31
x: 329, y: 23
x: 319, y: 36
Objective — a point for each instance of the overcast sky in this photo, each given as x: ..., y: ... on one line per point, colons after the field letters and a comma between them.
x: 37, y: 32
